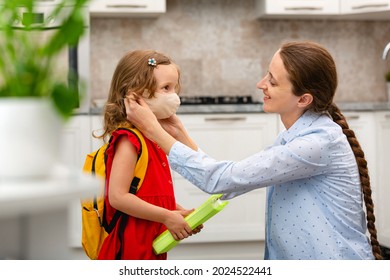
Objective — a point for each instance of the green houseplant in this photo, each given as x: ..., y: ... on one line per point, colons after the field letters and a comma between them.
x: 35, y: 99
x: 26, y: 64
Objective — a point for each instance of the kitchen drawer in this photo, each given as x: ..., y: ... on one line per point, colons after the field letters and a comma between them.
x: 127, y: 8
x: 296, y: 8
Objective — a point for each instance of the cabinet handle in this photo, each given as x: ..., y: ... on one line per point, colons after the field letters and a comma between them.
x: 371, y: 5
x: 217, y: 119
x: 307, y: 8
x: 123, y: 6
x: 352, y: 117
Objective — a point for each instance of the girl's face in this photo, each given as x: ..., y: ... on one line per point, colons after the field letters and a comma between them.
x: 278, y: 95
x: 165, y: 101
x: 167, y: 78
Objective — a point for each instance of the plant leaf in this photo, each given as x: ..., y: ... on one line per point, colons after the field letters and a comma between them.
x: 65, y: 99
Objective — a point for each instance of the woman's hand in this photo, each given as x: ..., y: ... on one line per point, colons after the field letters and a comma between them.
x: 176, y: 129
x: 172, y: 125
x: 197, y: 229
x: 140, y: 115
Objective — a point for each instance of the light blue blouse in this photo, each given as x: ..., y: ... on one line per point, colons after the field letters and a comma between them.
x: 314, y: 198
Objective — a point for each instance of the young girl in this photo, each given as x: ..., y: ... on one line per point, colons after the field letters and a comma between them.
x: 315, y: 172
x: 153, y: 209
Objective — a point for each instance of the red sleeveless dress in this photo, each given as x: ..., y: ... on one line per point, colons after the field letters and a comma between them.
x: 157, y: 189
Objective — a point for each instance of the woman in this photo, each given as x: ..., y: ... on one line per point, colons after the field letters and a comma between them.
x: 315, y: 172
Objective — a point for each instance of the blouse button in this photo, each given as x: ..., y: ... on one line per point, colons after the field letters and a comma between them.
x: 164, y: 164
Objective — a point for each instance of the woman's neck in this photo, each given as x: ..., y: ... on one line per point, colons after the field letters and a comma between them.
x: 289, y: 119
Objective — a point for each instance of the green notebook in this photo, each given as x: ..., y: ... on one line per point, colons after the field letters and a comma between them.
x: 165, y: 241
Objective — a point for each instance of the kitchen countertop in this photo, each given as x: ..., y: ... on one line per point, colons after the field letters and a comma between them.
x: 364, y: 106
x: 258, y: 108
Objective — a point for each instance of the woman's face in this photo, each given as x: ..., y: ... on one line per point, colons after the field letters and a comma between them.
x: 277, y: 90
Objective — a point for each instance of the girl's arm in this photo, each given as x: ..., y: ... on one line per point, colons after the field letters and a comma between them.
x: 120, y: 198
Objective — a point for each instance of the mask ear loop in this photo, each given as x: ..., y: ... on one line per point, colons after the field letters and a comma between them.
x: 147, y: 94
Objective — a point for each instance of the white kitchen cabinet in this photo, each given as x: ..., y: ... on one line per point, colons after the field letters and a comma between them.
x: 97, y: 129
x: 229, y: 137
x: 363, y: 124
x: 127, y: 8
x: 297, y: 8
x: 365, y: 9
x: 76, y: 141
x: 382, y: 206
x: 76, y: 144
x: 372, y: 130
x: 324, y: 9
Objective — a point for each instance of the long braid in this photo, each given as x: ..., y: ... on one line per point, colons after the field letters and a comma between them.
x: 339, y: 118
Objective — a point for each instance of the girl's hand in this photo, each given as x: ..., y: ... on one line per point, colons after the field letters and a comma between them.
x: 195, y: 230
x: 176, y: 224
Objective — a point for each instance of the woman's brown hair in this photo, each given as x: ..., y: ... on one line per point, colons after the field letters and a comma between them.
x: 312, y: 70
x: 134, y: 73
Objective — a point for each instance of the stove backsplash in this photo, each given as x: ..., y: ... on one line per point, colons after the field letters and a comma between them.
x: 217, y: 100
x: 227, y: 50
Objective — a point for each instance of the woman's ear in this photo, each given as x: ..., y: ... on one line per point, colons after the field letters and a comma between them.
x: 305, y: 100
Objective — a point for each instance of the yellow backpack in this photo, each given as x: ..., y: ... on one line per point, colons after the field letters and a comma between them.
x: 94, y: 224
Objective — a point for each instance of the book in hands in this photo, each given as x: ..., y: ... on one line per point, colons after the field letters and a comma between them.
x: 165, y: 241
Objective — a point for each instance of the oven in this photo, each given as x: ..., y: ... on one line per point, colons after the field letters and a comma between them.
x: 71, y: 60
x: 219, y: 104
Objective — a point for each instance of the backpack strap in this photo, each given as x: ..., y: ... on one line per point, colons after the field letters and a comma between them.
x: 142, y: 162
x: 93, y: 172
x: 123, y: 221
x: 136, y: 183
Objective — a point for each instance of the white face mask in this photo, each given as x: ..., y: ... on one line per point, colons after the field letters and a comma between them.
x: 163, y: 105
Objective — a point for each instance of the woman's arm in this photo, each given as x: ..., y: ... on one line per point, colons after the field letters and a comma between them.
x: 120, y: 198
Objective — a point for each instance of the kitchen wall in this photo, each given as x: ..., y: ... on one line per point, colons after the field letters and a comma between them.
x: 223, y: 49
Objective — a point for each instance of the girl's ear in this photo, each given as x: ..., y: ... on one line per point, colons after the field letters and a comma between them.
x: 305, y: 100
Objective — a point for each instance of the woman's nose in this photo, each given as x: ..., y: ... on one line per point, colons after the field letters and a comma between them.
x: 261, y: 84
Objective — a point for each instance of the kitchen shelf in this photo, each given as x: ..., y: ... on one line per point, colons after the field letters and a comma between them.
x: 24, y: 197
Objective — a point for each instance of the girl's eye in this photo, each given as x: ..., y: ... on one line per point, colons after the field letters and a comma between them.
x: 271, y: 82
